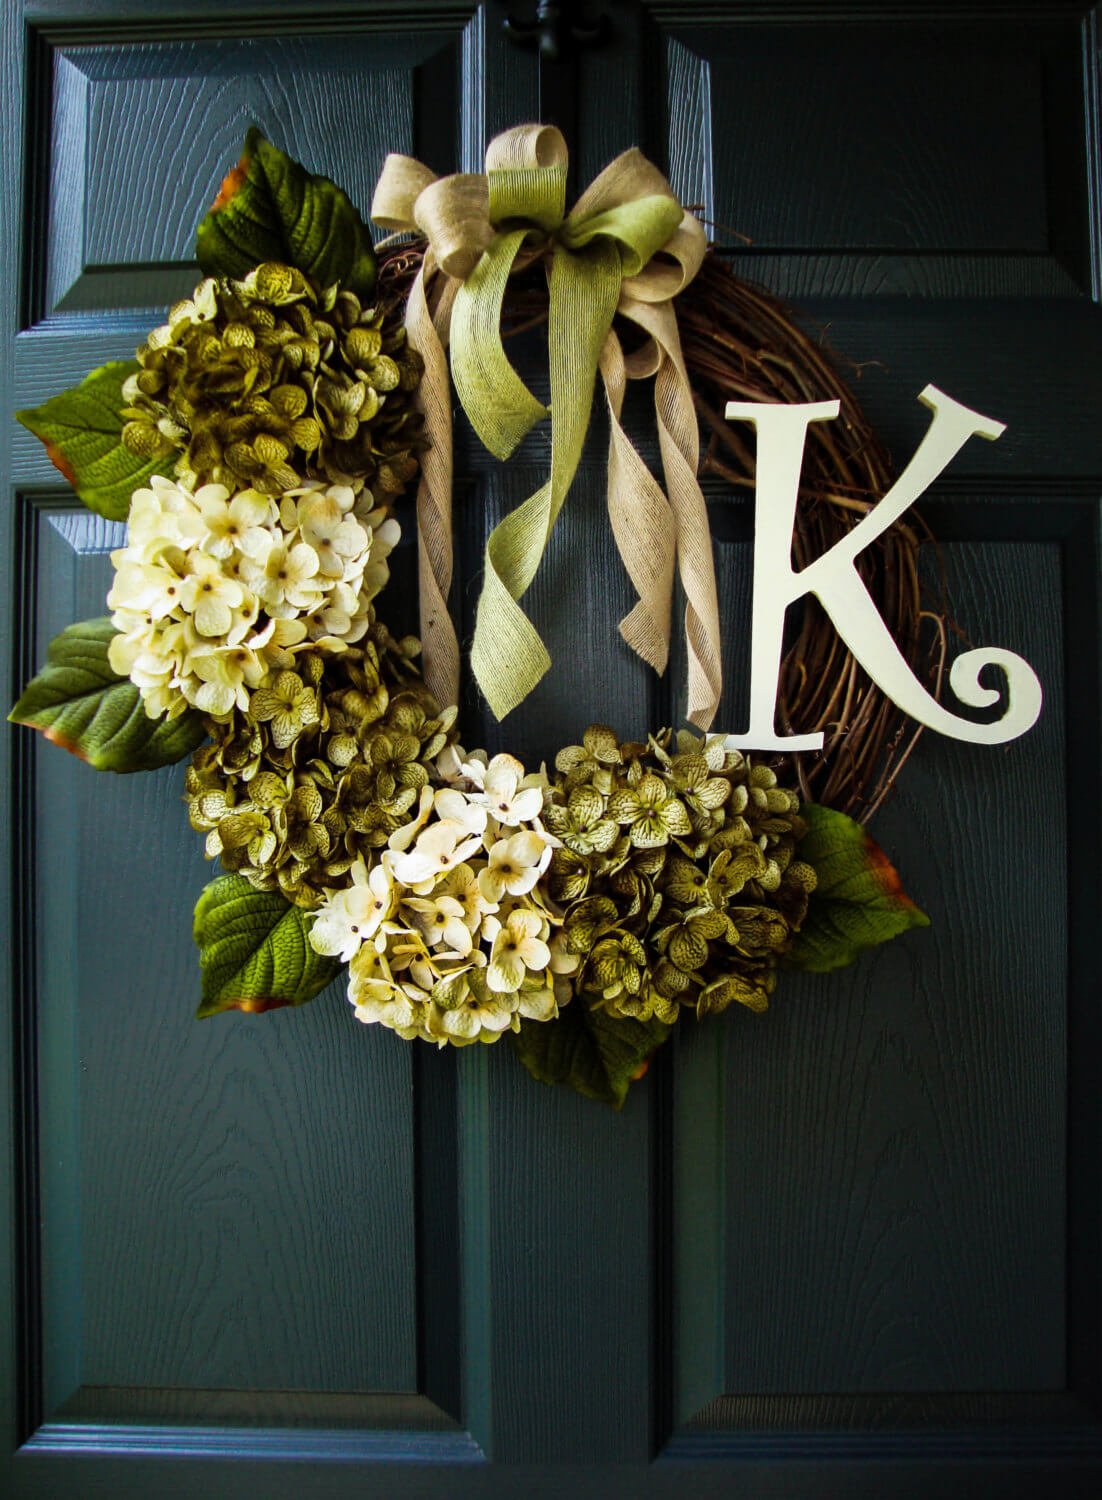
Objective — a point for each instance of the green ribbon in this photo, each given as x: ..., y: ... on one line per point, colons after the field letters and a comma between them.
x: 590, y: 256
x: 477, y: 228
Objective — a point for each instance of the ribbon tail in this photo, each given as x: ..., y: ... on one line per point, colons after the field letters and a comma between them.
x: 679, y: 442
x: 642, y: 523
x: 507, y: 655
x: 500, y: 406
x: 439, y: 643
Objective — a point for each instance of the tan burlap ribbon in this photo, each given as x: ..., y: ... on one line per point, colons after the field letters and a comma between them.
x: 627, y: 246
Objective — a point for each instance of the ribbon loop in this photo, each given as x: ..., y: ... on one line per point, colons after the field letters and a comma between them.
x: 628, y: 246
x: 524, y: 146
x: 401, y: 182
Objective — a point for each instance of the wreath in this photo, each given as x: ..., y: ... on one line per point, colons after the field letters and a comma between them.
x: 258, y: 448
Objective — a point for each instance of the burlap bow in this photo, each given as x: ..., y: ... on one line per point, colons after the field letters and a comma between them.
x: 602, y: 260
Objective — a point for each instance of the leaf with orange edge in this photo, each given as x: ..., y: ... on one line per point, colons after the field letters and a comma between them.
x: 859, y: 901
x: 269, y: 207
x: 82, y: 432
x: 254, y: 953
x: 78, y: 702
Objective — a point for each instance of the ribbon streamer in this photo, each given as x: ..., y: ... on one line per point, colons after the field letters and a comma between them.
x: 602, y: 259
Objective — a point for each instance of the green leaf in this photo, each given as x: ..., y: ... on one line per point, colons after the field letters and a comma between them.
x: 859, y: 900
x: 254, y: 954
x: 597, y: 1054
x: 82, y: 429
x: 78, y: 702
x: 271, y: 208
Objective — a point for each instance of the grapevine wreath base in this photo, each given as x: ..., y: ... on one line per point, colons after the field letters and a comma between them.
x: 257, y: 449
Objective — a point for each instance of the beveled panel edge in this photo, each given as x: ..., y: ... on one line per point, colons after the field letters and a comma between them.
x: 159, y: 20
x: 439, y: 1374
x: 1082, y: 574
x: 188, y: 1407
x: 1017, y: 1428
x: 475, y: 1171
x: 380, y: 1427
x: 322, y: 1445
x: 1092, y: 92
x: 437, y: 1229
x: 697, y: 1337
x: 916, y: 12
x: 28, y: 509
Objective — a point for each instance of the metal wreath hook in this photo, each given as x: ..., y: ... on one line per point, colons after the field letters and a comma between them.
x: 557, y: 33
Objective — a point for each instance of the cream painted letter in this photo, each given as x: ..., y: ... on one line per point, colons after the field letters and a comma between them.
x: 781, y: 432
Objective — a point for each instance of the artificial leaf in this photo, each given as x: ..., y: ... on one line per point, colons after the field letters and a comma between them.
x: 597, y: 1054
x: 79, y: 703
x: 271, y: 208
x: 859, y: 900
x: 81, y: 429
x: 254, y: 953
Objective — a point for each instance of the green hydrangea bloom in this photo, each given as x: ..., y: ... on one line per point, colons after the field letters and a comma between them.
x: 259, y: 382
x: 676, y: 873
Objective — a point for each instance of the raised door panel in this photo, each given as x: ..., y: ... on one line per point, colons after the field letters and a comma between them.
x: 918, y: 158
x: 137, y: 131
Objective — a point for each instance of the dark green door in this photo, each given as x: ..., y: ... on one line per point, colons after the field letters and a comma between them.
x: 850, y: 1248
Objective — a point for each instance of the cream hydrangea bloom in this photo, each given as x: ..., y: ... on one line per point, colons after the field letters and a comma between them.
x: 350, y: 917
x: 226, y: 674
x: 440, y: 918
x: 518, y: 948
x: 515, y: 864
x: 481, y: 1016
x: 462, y: 885
x: 438, y: 848
x: 378, y: 998
x: 469, y: 945
x: 237, y: 523
x: 512, y: 797
x: 215, y: 590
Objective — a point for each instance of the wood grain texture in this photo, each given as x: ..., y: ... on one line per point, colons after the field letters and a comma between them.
x: 513, y: 94
x: 611, y: 102
x: 245, y: 1208
x: 690, y: 157
x: 64, y: 248
x: 20, y: 1284
x: 333, y: 1411
x: 568, y: 1199
x: 952, y: 276
x: 949, y: 1416
x: 899, y: 1223
x: 906, y: 139
x: 1032, y: 364
x: 904, y: 162
x: 158, y: 125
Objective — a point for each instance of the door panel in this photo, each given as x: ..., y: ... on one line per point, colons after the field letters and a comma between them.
x: 933, y: 160
x: 907, y: 1229
x: 287, y: 1255
x: 137, y: 132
